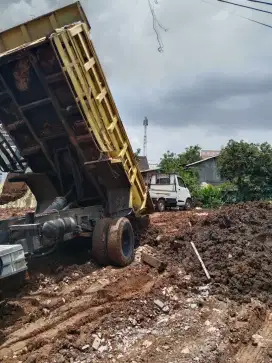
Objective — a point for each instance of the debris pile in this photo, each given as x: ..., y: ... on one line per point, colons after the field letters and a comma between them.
x: 235, y: 244
x: 13, y: 212
x: 71, y: 310
x: 16, y: 195
x: 10, y: 192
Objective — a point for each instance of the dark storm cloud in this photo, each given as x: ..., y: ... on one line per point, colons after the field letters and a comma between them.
x: 212, y: 87
x: 218, y: 101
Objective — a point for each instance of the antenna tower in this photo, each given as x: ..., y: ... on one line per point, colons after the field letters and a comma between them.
x: 145, y: 123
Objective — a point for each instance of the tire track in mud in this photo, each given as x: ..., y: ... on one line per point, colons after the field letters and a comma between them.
x: 258, y: 354
x: 94, y: 304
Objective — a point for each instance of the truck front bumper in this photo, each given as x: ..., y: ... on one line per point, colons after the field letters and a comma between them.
x: 12, y: 260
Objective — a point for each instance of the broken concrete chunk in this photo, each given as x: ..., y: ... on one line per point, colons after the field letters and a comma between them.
x: 185, y: 351
x: 159, y: 303
x: 258, y: 340
x: 193, y: 306
x: 103, y: 348
x: 147, y: 343
x: 85, y: 347
x: 153, y: 261
x: 96, y: 343
x: 132, y: 321
x: 177, y: 244
x: 166, y: 309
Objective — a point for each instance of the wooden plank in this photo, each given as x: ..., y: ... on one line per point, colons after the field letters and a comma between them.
x: 99, y: 117
x: 53, y: 21
x: 101, y: 95
x: 75, y: 30
x: 88, y: 65
x: 78, y: 85
x: 134, y: 175
x: 113, y: 124
x: 122, y: 152
x: 25, y: 33
x: 82, y: 42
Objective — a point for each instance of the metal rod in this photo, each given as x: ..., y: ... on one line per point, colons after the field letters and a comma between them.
x: 200, y: 260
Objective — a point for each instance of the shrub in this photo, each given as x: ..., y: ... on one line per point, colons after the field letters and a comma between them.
x: 210, y: 196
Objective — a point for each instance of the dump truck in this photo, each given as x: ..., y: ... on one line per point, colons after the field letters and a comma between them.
x: 71, y: 148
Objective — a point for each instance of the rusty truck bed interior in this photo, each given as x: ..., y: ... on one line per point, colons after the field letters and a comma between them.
x: 39, y: 111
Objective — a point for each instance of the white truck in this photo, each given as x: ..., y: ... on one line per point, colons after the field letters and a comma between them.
x: 169, y: 191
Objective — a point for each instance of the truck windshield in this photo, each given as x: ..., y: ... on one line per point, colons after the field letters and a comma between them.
x: 165, y: 180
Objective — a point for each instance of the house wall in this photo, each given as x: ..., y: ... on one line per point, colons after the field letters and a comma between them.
x: 148, y: 174
x: 208, y: 172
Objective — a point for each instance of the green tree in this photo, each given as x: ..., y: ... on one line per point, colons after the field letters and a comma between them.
x: 248, y: 166
x: 175, y: 163
x: 137, y: 154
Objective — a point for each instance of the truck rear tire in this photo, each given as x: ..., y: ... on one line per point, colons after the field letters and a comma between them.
x: 161, y: 205
x: 188, y: 204
x: 121, y: 242
x: 100, y: 241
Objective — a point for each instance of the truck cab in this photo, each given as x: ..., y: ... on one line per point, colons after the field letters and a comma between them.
x: 169, y: 191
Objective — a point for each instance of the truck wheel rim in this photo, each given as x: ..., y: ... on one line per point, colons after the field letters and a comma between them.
x: 161, y: 205
x: 126, y: 242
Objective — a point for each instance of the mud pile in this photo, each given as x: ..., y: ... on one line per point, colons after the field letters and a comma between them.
x: 12, y: 191
x: 13, y: 212
x: 235, y: 244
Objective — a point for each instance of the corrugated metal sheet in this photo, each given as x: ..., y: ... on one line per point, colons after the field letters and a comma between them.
x: 143, y: 163
x: 204, y: 154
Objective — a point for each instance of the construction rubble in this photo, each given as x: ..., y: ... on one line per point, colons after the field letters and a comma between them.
x: 199, y: 291
x: 16, y: 195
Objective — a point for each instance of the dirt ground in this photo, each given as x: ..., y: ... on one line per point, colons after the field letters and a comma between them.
x: 71, y: 310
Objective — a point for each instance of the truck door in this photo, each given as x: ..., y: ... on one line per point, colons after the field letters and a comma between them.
x: 182, y: 192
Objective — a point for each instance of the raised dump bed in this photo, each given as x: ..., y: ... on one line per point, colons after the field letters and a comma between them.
x: 56, y: 105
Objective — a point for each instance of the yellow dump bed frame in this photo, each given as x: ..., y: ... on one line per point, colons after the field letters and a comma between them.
x: 82, y: 67
x: 83, y: 71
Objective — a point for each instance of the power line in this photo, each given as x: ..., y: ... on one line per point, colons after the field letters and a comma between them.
x: 259, y: 2
x: 156, y: 24
x: 240, y: 16
x: 245, y: 6
x: 258, y: 22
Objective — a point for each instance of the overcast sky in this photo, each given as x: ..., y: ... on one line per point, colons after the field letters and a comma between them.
x: 213, y: 81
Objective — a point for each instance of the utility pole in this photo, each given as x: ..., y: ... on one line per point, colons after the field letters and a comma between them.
x: 145, y: 123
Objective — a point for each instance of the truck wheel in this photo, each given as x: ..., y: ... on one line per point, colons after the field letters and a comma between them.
x: 99, y: 241
x: 121, y: 242
x: 188, y: 204
x: 161, y: 205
